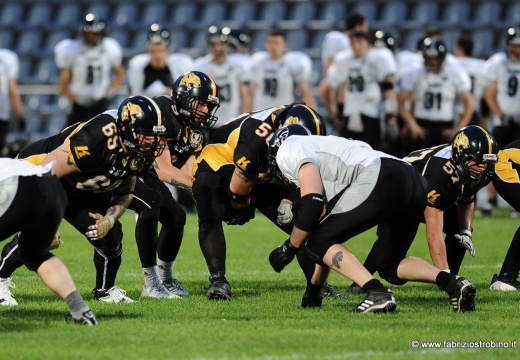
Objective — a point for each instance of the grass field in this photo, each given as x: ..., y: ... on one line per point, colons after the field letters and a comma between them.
x: 264, y: 319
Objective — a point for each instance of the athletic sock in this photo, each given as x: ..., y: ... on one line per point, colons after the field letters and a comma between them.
x: 76, y: 304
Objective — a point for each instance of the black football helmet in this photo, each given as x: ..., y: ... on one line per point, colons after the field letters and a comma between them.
x: 385, y: 39
x: 93, y: 24
x: 140, y: 115
x: 434, y: 53
x: 275, y: 142
x: 299, y: 113
x: 157, y: 34
x: 474, y: 143
x: 191, y: 89
x: 513, y: 39
x: 237, y: 39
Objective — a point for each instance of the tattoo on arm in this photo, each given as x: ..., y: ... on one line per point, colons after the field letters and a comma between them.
x: 243, y: 177
x: 336, y: 259
x: 119, y: 204
x: 180, y: 185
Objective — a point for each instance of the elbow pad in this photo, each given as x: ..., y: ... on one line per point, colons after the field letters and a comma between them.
x: 309, y: 210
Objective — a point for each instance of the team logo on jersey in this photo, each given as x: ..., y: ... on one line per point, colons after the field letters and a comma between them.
x: 81, y: 151
x: 432, y: 196
x: 195, y: 138
x: 130, y: 112
x: 190, y: 80
x: 243, y: 162
x: 461, y: 142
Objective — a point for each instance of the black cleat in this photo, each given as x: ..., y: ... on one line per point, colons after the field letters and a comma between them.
x: 355, y: 289
x: 462, y: 296
x: 219, y: 289
x: 377, y: 302
x: 331, y: 291
x: 87, y: 318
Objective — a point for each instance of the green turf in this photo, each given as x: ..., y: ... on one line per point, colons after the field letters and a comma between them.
x: 264, y: 319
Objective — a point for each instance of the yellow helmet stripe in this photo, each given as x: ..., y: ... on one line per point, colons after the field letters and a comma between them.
x: 214, y: 86
x: 315, y: 117
x: 157, y: 109
x: 490, y: 142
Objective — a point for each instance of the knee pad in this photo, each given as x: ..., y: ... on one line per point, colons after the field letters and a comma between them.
x: 389, y: 273
x: 34, y: 263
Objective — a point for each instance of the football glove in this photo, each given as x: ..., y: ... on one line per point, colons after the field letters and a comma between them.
x: 56, y: 242
x: 464, y: 238
x: 282, y: 256
x: 242, y: 215
x: 285, y: 214
x: 101, y: 228
x: 312, y: 296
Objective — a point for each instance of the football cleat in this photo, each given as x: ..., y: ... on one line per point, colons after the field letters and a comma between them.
x: 6, y: 298
x: 113, y: 295
x: 174, y: 286
x: 377, y: 302
x: 462, y: 296
x: 331, y: 291
x: 355, y: 289
x: 87, y: 318
x: 157, y: 291
x: 505, y: 282
x: 219, y: 289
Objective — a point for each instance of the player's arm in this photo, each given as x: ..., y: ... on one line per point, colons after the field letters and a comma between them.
x: 170, y: 174
x: 64, y: 166
x: 16, y: 100
x: 405, y: 101
x: 465, y: 210
x: 469, y: 109
x: 65, y: 77
x: 246, y: 98
x: 240, y: 189
x: 307, y: 95
x: 490, y: 95
x: 119, y: 77
x: 434, y: 220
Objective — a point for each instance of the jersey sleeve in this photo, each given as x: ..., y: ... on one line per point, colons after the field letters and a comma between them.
x: 135, y: 74
x: 293, y: 153
x: 10, y: 63
x: 250, y: 154
x: 300, y: 65
x: 65, y: 52
x: 114, y: 50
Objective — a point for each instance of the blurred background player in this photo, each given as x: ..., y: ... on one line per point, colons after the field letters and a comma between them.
x: 277, y: 74
x: 153, y: 73
x: 229, y: 72
x: 10, y: 99
x: 86, y: 66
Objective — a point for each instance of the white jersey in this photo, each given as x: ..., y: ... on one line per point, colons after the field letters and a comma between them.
x: 362, y: 76
x: 435, y: 93
x: 228, y: 77
x: 333, y: 43
x: 476, y: 70
x: 276, y: 79
x: 178, y: 64
x: 90, y: 66
x: 407, y: 63
x: 507, y: 76
x: 340, y: 161
x: 9, y: 69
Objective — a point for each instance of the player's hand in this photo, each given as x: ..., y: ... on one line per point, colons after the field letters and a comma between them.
x: 282, y: 256
x: 464, y: 238
x: 101, y: 228
x: 242, y: 215
x: 312, y: 296
x: 285, y: 214
x: 56, y: 242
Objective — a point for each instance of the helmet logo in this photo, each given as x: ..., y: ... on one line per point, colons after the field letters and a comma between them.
x: 190, y: 80
x: 291, y: 120
x: 130, y: 112
x: 461, y: 142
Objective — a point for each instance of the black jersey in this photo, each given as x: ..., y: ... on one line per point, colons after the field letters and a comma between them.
x: 445, y: 185
x: 507, y: 167
x: 241, y: 143
x: 96, y: 152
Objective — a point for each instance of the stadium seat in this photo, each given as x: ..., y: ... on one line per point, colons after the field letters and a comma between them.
x: 424, y: 13
x: 392, y: 14
x: 512, y: 17
x: 29, y: 43
x: 39, y: 15
x: 68, y: 15
x: 182, y: 15
x: 484, y: 43
x: 258, y: 40
x: 456, y: 14
x: 271, y: 13
x: 46, y: 71
x: 213, y: 13
x: 328, y: 16
x: 198, y: 41
x: 11, y: 15
x: 487, y: 13
x: 122, y: 36
x: 296, y: 39
x: 242, y: 13
x: 53, y: 38
x: 6, y: 39
x: 367, y: 9
x: 25, y: 72
x: 99, y: 9
x: 179, y: 40
x: 153, y: 13
x: 125, y: 14
x: 298, y: 16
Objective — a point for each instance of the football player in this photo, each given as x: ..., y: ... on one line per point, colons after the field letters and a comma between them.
x: 503, y: 99
x: 85, y: 67
x: 455, y: 173
x: 507, y: 184
x: 9, y: 95
x: 98, y: 162
x: 432, y: 89
x: 368, y: 75
x: 231, y: 180
x: 153, y: 73
x: 276, y: 74
x: 229, y: 72
x: 346, y: 188
x: 28, y: 191
x: 191, y: 111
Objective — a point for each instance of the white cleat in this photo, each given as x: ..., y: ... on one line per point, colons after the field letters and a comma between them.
x: 113, y: 295
x: 6, y: 298
x: 157, y: 291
